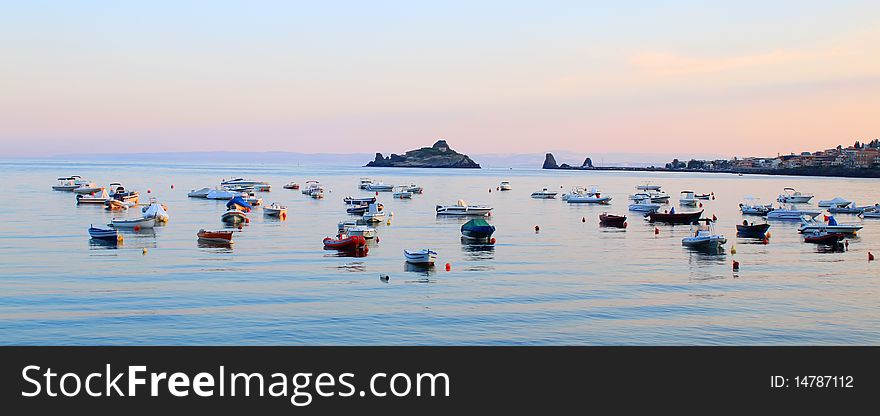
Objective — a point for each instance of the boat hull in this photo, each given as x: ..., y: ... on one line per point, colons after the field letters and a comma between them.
x: 677, y: 218
x: 142, y: 223
x: 352, y: 242
x: 607, y: 220
x: 423, y: 257
x: 752, y: 231
x: 215, y: 236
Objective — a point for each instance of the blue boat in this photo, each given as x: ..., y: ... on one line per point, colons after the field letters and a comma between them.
x: 103, y: 234
x: 477, y: 229
x: 753, y: 230
x: 238, y: 200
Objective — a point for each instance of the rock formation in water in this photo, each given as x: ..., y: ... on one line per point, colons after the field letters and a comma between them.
x: 588, y: 163
x: 437, y: 156
x: 550, y: 162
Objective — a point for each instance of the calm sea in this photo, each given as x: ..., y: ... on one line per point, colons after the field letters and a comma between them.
x: 571, y: 283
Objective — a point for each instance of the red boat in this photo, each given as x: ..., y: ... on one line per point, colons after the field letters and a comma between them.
x: 677, y: 218
x: 352, y: 242
x: 215, y: 236
x: 609, y: 220
x: 824, y: 238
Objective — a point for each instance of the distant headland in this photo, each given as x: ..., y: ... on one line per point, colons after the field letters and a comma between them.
x: 440, y: 155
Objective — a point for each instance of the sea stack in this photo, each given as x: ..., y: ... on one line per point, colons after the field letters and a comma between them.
x: 588, y: 163
x: 550, y: 162
x: 440, y: 155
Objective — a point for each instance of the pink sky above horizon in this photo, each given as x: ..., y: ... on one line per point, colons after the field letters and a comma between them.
x: 749, y: 79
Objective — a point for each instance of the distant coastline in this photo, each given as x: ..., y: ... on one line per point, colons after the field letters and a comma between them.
x: 829, y: 172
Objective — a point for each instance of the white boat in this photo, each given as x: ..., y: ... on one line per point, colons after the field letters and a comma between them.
x: 462, y: 208
x: 291, y: 185
x: 234, y: 216
x: 790, y: 196
x: 95, y: 198
x: 870, y: 214
x: 140, y: 223
x: 659, y: 196
x: 380, y: 187
x: 703, y: 236
x: 752, y: 206
x: 835, y: 202
x: 402, y: 192
x: 850, y: 208
x: 791, y: 213
x: 155, y: 211
x: 424, y: 256
x: 591, y: 196
x: 275, y: 210
x: 364, y: 183
x: 89, y: 188
x: 415, y: 189
x: 644, y: 205
x: 309, y: 186
x: 648, y: 187
x: 66, y: 184
x: 252, y: 199
x: 199, y: 193
x: 544, y: 194
x: 375, y: 213
x: 504, y: 186
x: 243, y: 182
x: 688, y: 198
x: 221, y: 194
x: 316, y: 192
x: 809, y: 225
x: 353, y: 227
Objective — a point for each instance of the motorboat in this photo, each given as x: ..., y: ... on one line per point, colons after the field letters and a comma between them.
x: 751, y: 206
x: 462, y: 208
x: 135, y: 223
x: 703, y: 236
x: 577, y: 190
x: 263, y: 187
x: 870, y: 214
x: 648, y: 187
x: 243, y: 182
x: 791, y: 213
x: 659, y: 196
x: 809, y: 224
x: 644, y: 205
x: 317, y: 193
x: 346, y: 242
x: 155, y: 210
x: 309, y: 186
x: 221, y: 236
x: 504, y: 186
x: 357, y: 227
x: 104, y: 234
x: 477, y: 229
x: 238, y: 202
x: 402, y: 192
x: 824, y: 238
x: 688, y: 198
x: 834, y: 202
x: 117, y: 205
x: 544, y: 194
x: 89, y: 188
x: 380, y: 187
x: 234, y: 216
x: 358, y: 201
x: 358, y: 209
x: 673, y: 217
x: 375, y: 213
x: 66, y: 184
x: 95, y: 198
x: 199, y: 193
x: 704, y: 196
x: 118, y: 192
x: 221, y: 194
x: 415, y: 189
x: 422, y: 257
x: 365, y: 182
x: 275, y: 210
x: 291, y: 185
x: 791, y: 196
x: 252, y: 199
x: 238, y: 188
x: 591, y: 196
x: 752, y: 230
x: 850, y: 208
x: 610, y: 220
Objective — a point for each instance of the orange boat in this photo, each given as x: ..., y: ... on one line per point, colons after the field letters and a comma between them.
x: 215, y: 236
x: 353, y: 242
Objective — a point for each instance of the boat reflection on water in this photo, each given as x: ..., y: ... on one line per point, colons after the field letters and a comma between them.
x: 476, y: 251
x: 99, y: 244
x: 346, y: 253
x: 422, y: 269
x: 215, y: 246
x: 709, y: 250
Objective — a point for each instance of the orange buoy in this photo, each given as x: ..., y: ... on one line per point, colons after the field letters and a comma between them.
x: 240, y: 227
x: 144, y: 251
x: 870, y: 256
x: 283, y: 215
x: 735, y: 266
x: 448, y: 267
x: 137, y: 227
x: 766, y: 240
x: 537, y: 229
x: 492, y: 240
x: 247, y: 220
x: 767, y: 235
x: 656, y: 231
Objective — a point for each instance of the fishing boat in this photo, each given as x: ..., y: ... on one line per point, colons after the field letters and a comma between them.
x: 415, y: 189
x: 66, y: 184
x: 375, y: 213
x: 402, y: 192
x: 275, y: 210
x: 156, y: 211
x: 356, y: 227
x: 234, y: 216
x: 591, y: 196
x: 364, y: 183
x: 809, y: 224
x: 380, y: 187
x: 674, y: 217
x: 119, y: 193
x: 791, y: 213
x: 358, y: 209
x: 291, y: 185
x: 688, y: 198
x: 504, y: 186
x: 610, y: 220
x: 823, y: 237
x: 221, y: 194
x: 139, y: 223
x: 752, y: 230
x: 704, y: 236
x: 358, y: 201
x: 791, y: 196
x: 346, y: 242
x: 199, y: 193
x: 104, y: 234
x: 703, y: 196
x: 644, y: 205
x: 544, y: 194
x: 834, y: 202
x: 648, y: 187
x: 421, y: 257
x: 95, y: 198
x: 850, y: 208
x: 751, y: 206
x: 477, y: 229
x: 89, y: 188
x: 222, y: 236
x: 462, y: 208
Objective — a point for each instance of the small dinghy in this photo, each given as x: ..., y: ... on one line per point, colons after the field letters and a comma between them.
x: 421, y: 257
x: 703, y: 196
x: 674, y: 218
x: 358, y: 201
x: 375, y: 213
x: 343, y: 242
x: 504, y: 186
x: 223, y: 236
x: 199, y: 193
x: 477, y: 229
x: 357, y: 209
x: 704, y: 237
x: 747, y: 230
x: 609, y: 220
x: 275, y: 210
x: 234, y: 216
x: 134, y: 223
x: 104, y: 234
x: 824, y: 238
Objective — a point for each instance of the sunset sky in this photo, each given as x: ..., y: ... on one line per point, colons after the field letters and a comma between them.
x: 734, y: 78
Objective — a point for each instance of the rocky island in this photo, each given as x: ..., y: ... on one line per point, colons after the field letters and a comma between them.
x: 437, y: 156
x: 550, y: 163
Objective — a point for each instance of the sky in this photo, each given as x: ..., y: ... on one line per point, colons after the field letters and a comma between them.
x: 736, y: 78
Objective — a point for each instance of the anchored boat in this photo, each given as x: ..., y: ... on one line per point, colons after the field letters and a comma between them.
x: 462, y: 208
x: 675, y: 218
x: 420, y: 257
x: 477, y: 229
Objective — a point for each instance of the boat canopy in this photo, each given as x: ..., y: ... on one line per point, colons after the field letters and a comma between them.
x: 238, y: 200
x: 476, y: 222
x: 831, y: 220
